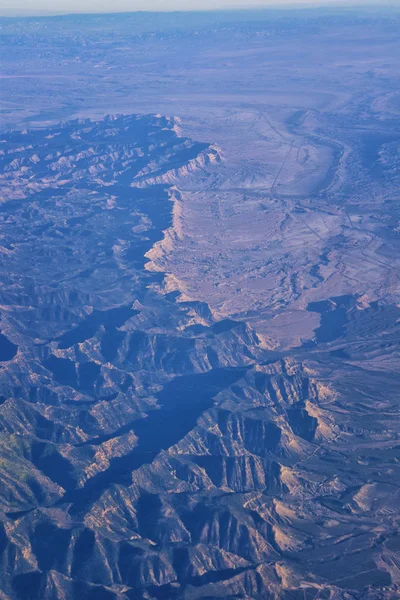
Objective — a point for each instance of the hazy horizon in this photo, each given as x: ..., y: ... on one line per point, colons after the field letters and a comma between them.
x: 45, y: 7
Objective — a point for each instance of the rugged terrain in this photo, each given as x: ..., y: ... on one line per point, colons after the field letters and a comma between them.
x: 199, y: 341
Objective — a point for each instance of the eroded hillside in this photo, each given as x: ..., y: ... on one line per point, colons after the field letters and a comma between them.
x: 149, y: 448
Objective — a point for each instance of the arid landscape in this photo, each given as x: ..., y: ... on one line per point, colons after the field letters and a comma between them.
x: 200, y: 306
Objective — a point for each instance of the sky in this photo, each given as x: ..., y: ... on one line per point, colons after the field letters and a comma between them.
x: 36, y: 7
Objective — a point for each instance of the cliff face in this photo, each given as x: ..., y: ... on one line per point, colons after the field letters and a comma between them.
x: 148, y: 449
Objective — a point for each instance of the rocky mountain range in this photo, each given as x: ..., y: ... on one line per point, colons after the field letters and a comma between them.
x: 199, y: 334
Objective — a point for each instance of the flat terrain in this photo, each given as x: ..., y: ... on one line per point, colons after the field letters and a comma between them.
x: 200, y: 306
